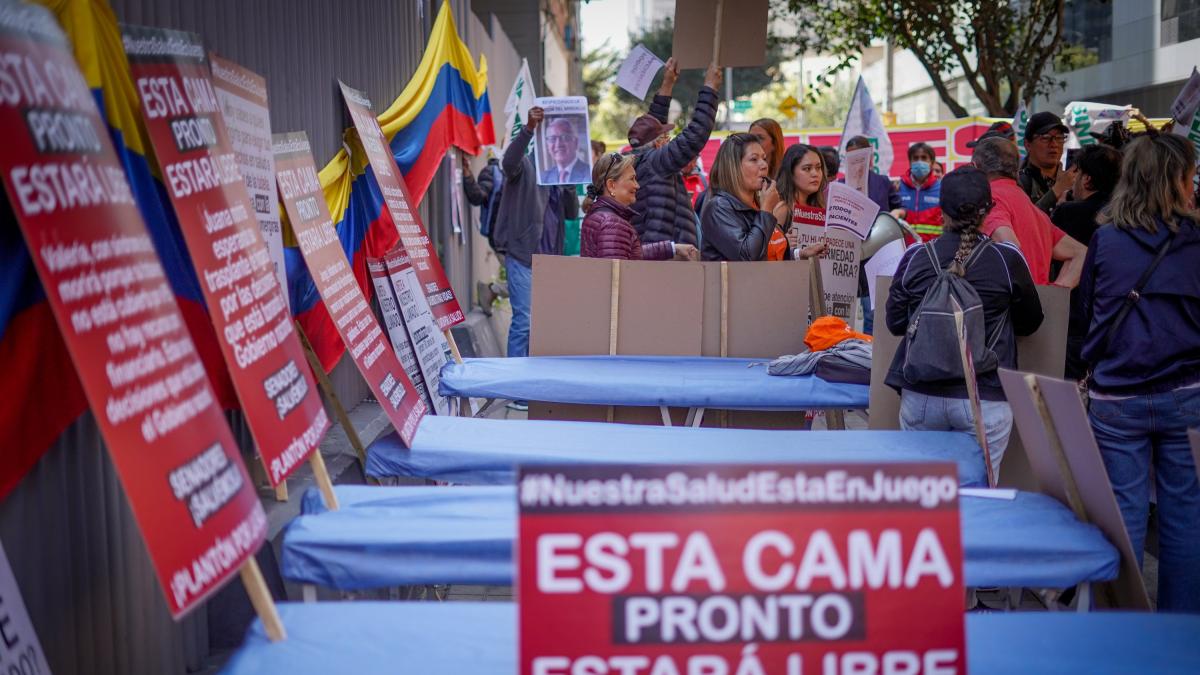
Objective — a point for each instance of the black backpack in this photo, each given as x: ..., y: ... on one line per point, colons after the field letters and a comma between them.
x: 931, y: 353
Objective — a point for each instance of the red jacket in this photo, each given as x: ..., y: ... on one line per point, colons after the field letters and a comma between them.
x: 608, y: 233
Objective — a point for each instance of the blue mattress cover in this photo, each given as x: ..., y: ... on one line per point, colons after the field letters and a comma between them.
x: 487, y: 451
x: 424, y: 638
x: 684, y: 381
x: 396, y: 536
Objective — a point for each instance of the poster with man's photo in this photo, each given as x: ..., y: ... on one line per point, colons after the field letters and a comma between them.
x: 561, y: 147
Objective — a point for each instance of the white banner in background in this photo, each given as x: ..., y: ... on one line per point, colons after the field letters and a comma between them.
x: 864, y: 120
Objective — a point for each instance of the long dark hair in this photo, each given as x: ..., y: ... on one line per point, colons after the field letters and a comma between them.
x: 786, y: 182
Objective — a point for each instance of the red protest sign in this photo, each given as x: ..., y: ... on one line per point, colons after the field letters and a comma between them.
x: 308, y: 213
x: 145, y: 383
x: 740, y: 569
x: 241, y: 289
x: 413, y: 238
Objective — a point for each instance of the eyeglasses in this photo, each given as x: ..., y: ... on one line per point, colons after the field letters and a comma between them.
x: 1056, y: 139
x: 560, y: 138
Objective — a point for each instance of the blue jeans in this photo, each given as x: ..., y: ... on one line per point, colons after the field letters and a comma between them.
x: 1132, y: 433
x: 920, y: 412
x: 868, y: 315
x: 520, y: 289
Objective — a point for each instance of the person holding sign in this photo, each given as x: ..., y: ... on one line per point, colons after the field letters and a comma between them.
x: 531, y: 220
x: 607, y: 231
x: 802, y: 183
x: 737, y: 219
x: 1005, y: 295
x: 1141, y: 296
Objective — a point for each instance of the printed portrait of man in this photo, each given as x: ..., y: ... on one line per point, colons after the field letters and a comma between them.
x: 564, y: 152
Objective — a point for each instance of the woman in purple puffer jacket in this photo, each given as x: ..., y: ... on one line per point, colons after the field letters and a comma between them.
x: 607, y: 230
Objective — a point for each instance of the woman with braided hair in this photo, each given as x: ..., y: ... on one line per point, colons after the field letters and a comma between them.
x: 999, y: 275
x: 607, y: 230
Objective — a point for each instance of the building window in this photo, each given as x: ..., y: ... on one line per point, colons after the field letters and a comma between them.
x: 1180, y: 21
x: 1087, y: 34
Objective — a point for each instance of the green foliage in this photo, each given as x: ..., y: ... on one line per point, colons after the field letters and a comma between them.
x: 1000, y: 47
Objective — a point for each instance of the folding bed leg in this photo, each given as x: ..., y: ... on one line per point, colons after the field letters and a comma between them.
x: 698, y: 419
x: 835, y: 419
x: 666, y: 415
x: 308, y: 592
x: 1083, y: 597
x: 487, y: 407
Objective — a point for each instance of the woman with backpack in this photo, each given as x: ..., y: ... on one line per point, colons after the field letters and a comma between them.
x: 993, y: 286
x: 607, y: 231
x: 1141, y: 295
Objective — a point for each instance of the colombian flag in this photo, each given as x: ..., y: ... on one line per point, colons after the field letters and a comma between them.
x: 43, y: 395
x: 445, y: 104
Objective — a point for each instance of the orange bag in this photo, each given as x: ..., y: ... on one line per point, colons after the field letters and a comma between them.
x: 827, y: 331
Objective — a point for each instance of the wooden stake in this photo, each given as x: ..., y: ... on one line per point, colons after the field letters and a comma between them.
x: 614, y: 315
x: 968, y: 367
x: 453, y: 346
x: 817, y: 292
x: 716, y: 53
x: 260, y: 597
x: 323, y: 481
x: 281, y: 492
x: 1074, y: 500
x: 724, y: 293
x: 327, y: 386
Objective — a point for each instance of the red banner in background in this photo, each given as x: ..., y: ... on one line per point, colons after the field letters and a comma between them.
x: 241, y: 289
x: 308, y: 213
x: 414, y: 239
x: 717, y: 569
x: 169, y: 440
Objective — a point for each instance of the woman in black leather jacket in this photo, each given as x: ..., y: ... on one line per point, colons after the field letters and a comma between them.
x: 736, y: 220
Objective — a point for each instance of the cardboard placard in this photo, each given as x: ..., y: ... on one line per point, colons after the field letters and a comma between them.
x: 884, y: 411
x: 241, y: 289
x: 1072, y: 454
x: 304, y: 202
x: 701, y: 569
x: 169, y: 440
x: 839, y: 265
x: 414, y: 239
x: 429, y: 344
x: 242, y: 94
x: 394, y: 323
x: 637, y: 71
x: 742, y: 33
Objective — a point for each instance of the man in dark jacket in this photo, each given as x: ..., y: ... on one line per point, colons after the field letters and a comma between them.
x: 1040, y: 176
x: 664, y: 207
x: 1098, y: 168
x: 531, y: 221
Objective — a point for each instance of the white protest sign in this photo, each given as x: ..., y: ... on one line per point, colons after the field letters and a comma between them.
x: 857, y: 168
x: 1188, y: 101
x: 20, y: 651
x: 562, y: 147
x: 883, y: 264
x: 638, y: 71
x: 242, y: 95
x: 864, y: 120
x: 520, y: 100
x: 1085, y: 118
x: 850, y: 209
x: 394, y: 323
x: 456, y: 195
x: 430, y: 344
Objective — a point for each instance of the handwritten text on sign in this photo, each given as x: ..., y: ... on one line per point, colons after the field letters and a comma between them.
x: 729, y: 570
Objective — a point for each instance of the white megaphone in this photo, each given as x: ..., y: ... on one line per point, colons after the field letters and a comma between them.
x: 885, y: 229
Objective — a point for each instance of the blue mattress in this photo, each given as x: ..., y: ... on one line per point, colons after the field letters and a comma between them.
x: 486, y: 451
x: 683, y: 381
x: 411, y: 638
x: 397, y: 536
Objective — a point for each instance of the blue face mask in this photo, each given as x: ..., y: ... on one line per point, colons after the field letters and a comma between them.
x: 920, y: 170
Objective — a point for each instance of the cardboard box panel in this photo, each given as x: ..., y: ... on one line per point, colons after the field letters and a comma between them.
x: 660, y: 309
x: 570, y: 306
x: 743, y: 33
x: 884, y: 413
